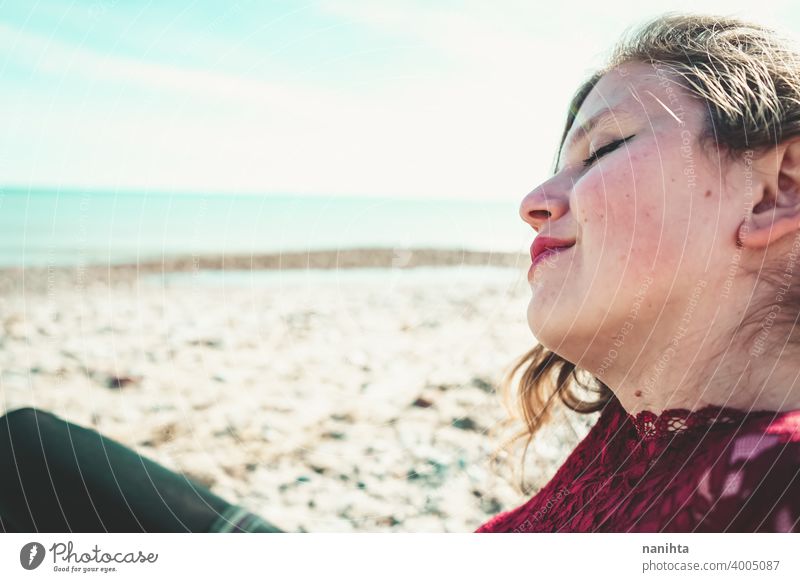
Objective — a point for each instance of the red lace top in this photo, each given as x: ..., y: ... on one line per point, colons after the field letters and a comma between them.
x: 712, y: 470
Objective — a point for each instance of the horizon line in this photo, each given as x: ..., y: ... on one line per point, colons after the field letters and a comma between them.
x: 73, y: 190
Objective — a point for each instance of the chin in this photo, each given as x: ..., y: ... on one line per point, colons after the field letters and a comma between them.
x: 567, y: 336
x: 546, y: 327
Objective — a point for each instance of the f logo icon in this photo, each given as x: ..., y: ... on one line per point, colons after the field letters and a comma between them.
x: 31, y: 555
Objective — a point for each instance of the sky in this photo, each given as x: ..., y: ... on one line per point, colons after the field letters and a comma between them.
x: 418, y: 99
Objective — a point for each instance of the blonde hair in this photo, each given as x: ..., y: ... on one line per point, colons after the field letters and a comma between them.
x: 748, y: 77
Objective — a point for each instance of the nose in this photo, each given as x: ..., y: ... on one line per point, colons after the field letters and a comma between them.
x: 546, y: 202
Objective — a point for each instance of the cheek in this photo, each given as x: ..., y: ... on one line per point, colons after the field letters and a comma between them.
x: 621, y: 211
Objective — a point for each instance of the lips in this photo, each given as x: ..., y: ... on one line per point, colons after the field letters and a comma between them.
x: 542, y: 244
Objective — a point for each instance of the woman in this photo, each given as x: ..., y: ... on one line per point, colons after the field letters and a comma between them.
x: 661, y: 296
x: 675, y: 202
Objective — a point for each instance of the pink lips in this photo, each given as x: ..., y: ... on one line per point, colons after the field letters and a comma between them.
x: 544, y: 246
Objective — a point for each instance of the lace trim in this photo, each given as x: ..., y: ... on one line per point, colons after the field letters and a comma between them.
x: 650, y: 425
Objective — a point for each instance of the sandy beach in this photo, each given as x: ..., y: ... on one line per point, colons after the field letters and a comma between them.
x: 331, y: 391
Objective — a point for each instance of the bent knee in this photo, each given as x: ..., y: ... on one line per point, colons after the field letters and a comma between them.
x: 24, y: 419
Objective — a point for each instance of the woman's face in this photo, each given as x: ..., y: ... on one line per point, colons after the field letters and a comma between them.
x: 654, y: 230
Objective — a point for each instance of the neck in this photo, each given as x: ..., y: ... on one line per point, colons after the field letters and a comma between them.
x: 701, y: 363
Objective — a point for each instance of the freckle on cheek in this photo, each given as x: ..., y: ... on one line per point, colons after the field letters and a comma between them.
x: 637, y: 393
x: 708, y: 193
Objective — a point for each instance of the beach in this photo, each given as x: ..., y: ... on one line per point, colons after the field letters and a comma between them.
x: 330, y: 391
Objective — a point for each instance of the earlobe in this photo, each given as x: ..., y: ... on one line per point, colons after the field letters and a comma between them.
x: 754, y: 235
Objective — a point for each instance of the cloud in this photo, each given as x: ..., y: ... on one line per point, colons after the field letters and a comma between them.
x: 205, y: 130
x: 483, y: 122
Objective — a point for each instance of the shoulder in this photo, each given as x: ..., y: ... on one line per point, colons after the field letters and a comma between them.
x: 753, y: 482
x: 541, y: 512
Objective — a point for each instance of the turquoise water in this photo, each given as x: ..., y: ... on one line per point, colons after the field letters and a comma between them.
x: 52, y: 228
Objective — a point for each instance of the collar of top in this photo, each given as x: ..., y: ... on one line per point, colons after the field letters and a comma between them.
x: 678, y: 421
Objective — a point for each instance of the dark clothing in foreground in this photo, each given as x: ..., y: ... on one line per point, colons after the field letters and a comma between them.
x: 61, y: 477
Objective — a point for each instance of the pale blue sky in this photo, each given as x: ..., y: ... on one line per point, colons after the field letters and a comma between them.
x: 407, y: 98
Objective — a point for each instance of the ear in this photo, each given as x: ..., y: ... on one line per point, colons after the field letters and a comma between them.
x: 776, y: 197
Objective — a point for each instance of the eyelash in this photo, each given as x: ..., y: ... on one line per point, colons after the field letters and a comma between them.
x: 599, y: 152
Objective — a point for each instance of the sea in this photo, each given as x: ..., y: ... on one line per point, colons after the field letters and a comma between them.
x: 63, y: 228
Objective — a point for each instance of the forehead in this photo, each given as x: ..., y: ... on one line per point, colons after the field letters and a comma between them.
x: 634, y: 87
x: 633, y: 91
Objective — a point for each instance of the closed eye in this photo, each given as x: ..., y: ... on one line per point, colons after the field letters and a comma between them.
x: 599, y: 152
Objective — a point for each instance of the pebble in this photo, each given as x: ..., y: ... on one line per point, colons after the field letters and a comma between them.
x: 323, y: 419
